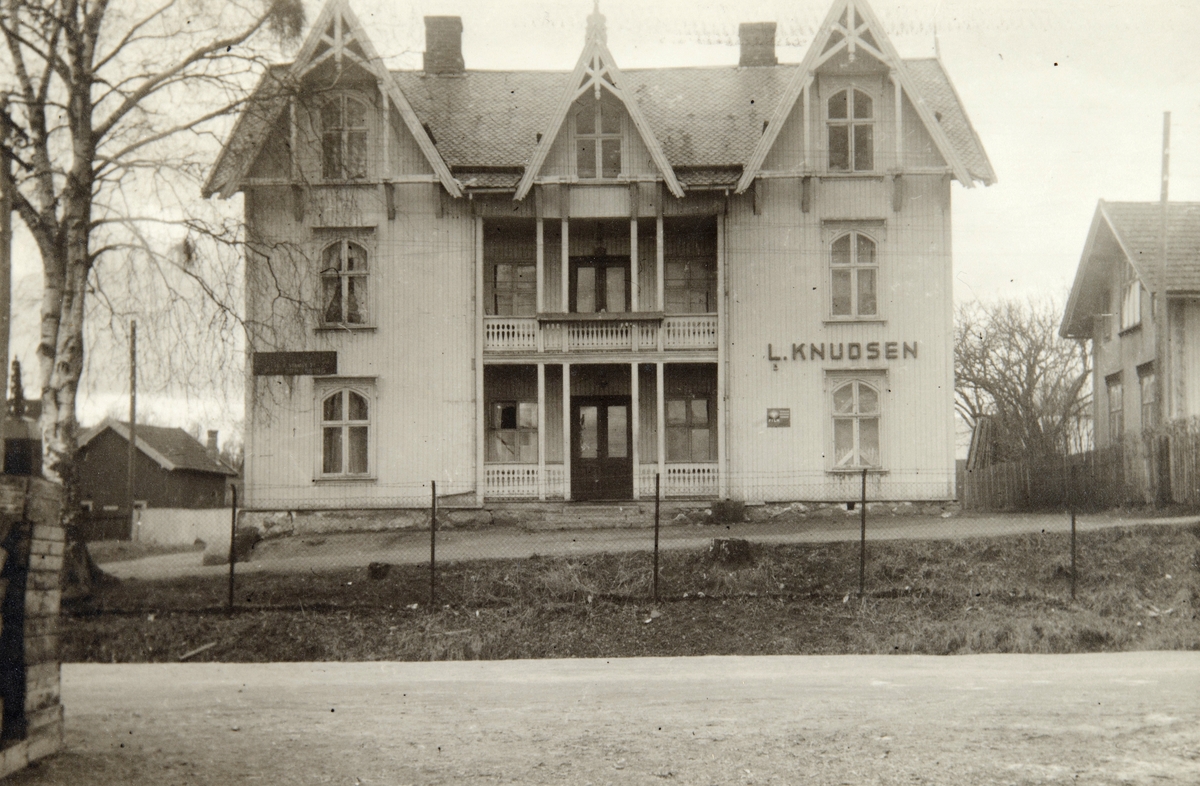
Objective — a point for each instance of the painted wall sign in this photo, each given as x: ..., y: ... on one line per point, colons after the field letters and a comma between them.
x: 779, y: 418
x: 841, y: 350
x: 294, y: 364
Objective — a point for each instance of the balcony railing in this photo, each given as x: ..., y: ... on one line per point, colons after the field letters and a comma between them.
x: 520, y: 481
x: 680, y: 480
x: 609, y: 333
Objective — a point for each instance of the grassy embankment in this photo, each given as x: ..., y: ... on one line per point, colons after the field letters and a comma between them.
x: 1138, y: 588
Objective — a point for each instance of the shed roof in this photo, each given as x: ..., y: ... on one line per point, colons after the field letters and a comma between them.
x: 171, y: 448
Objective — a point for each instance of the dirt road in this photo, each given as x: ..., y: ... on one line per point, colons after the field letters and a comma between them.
x: 347, y: 550
x: 1126, y: 718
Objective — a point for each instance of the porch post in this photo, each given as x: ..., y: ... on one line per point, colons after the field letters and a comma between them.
x: 658, y: 273
x: 635, y: 414
x: 566, y: 429
x: 541, y: 265
x: 541, y: 414
x: 633, y: 268
x: 566, y: 267
x: 722, y: 474
x: 480, y: 436
x: 660, y: 432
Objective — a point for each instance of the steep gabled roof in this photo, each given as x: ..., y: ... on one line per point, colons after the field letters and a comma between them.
x: 597, y: 72
x: 859, y: 30
x: 171, y: 448
x: 337, y: 35
x: 1134, y: 231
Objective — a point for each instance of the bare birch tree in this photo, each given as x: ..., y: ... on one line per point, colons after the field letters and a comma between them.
x: 1011, y: 365
x: 110, y: 121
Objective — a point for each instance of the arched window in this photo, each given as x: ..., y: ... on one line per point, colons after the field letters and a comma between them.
x: 851, y: 126
x: 855, y: 425
x: 344, y: 284
x: 854, y: 276
x: 597, y: 138
x: 344, y: 139
x: 345, y: 434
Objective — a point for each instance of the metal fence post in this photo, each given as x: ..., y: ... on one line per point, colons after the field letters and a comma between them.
x: 657, y: 498
x: 433, y: 544
x: 862, y: 543
x: 232, y: 543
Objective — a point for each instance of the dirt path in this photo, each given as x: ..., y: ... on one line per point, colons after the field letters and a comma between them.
x: 329, y: 552
x: 1128, y: 718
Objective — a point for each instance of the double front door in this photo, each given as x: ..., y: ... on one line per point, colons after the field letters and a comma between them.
x: 601, y: 448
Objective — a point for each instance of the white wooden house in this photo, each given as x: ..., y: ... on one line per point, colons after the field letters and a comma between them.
x: 558, y: 285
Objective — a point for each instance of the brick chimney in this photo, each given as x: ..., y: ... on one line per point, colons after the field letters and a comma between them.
x: 443, y: 45
x: 211, y: 447
x: 758, y: 44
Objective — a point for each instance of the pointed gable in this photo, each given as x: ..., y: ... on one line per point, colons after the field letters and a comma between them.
x: 336, y: 42
x: 851, y: 39
x: 596, y: 73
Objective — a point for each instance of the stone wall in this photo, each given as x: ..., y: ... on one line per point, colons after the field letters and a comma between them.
x: 32, y: 555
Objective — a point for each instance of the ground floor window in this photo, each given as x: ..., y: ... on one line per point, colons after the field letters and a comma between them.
x: 855, y: 425
x: 689, y: 429
x: 1116, y: 408
x: 512, y: 432
x: 345, y: 433
x: 1149, y: 402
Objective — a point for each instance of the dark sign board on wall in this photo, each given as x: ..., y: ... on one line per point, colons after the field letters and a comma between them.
x: 294, y: 364
x: 779, y: 418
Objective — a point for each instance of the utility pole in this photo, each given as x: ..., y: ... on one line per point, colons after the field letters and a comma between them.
x: 1162, y: 331
x: 132, y: 421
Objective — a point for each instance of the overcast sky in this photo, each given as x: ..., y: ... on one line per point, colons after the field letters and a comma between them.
x: 1066, y: 95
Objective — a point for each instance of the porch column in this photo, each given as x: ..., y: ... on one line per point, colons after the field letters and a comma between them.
x: 633, y: 272
x: 541, y: 415
x: 635, y: 414
x: 566, y: 429
x: 660, y: 432
x: 541, y: 265
x: 480, y: 436
x: 722, y: 323
x: 566, y: 268
x: 658, y: 273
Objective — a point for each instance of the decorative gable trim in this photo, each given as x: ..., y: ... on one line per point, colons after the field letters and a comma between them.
x: 861, y: 31
x: 597, y: 70
x: 349, y: 41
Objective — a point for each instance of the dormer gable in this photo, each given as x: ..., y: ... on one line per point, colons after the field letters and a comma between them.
x: 597, y: 123
x: 850, y: 95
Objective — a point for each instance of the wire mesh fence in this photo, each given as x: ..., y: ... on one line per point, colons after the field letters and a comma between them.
x: 657, y: 549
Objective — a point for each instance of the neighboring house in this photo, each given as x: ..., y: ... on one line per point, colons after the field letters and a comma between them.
x: 171, y: 469
x: 556, y: 285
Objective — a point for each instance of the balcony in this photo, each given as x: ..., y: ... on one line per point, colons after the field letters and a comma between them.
x: 631, y: 332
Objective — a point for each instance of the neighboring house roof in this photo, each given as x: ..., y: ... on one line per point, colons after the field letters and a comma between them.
x: 1134, y: 231
x: 706, y: 119
x: 170, y: 448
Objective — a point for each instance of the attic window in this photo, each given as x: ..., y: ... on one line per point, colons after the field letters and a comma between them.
x: 343, y: 139
x: 597, y: 139
x: 851, y: 130
x: 1131, y: 300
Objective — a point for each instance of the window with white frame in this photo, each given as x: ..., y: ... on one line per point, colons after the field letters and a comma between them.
x: 344, y: 284
x: 690, y: 433
x: 344, y: 123
x: 1149, y: 397
x: 854, y: 276
x: 345, y: 433
x: 850, y: 124
x: 1131, y: 300
x: 1116, y: 408
x: 855, y: 425
x: 512, y: 432
x: 597, y: 138
x: 513, y: 290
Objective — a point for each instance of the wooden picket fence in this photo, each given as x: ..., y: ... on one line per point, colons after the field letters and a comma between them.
x: 1095, y: 480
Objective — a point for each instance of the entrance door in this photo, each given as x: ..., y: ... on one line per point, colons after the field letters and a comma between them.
x: 601, y: 448
x: 599, y: 284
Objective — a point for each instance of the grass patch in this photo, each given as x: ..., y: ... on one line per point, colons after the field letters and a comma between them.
x: 1138, y: 588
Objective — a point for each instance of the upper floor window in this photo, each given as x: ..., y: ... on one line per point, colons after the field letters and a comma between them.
x: 597, y: 138
x: 855, y: 425
x: 344, y: 139
x: 344, y: 284
x: 851, y: 126
x: 1131, y: 299
x: 854, y: 276
x: 514, y: 290
x: 345, y: 434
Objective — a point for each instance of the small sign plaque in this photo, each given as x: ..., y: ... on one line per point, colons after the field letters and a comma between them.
x: 779, y: 418
x: 294, y: 364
